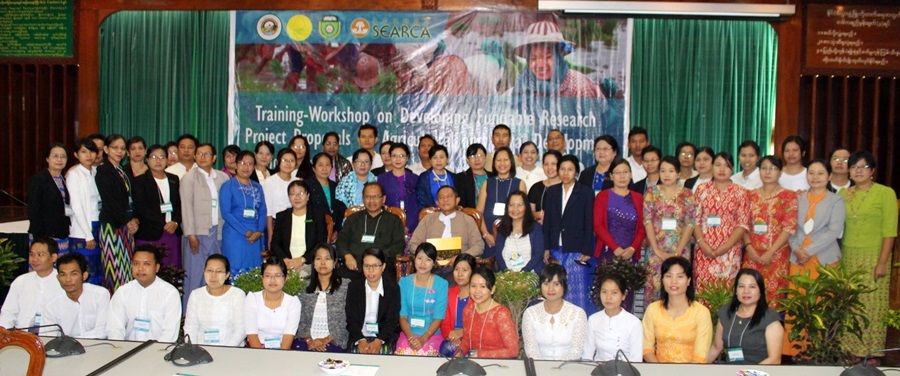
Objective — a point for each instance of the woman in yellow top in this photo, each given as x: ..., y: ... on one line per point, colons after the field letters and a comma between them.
x: 677, y: 329
x: 869, y: 236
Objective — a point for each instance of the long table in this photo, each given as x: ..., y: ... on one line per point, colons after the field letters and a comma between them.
x: 244, y: 361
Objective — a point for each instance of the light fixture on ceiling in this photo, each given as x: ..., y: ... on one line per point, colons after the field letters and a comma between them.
x: 669, y: 8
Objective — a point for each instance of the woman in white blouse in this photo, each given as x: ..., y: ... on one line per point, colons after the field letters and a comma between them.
x: 275, y: 187
x: 271, y: 317
x: 613, y: 328
x: 215, y: 312
x: 84, y: 229
x: 554, y: 329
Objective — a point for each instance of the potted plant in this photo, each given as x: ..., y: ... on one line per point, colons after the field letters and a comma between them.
x: 823, y: 311
x: 633, y: 274
x: 9, y: 262
x: 516, y: 290
x: 714, y: 295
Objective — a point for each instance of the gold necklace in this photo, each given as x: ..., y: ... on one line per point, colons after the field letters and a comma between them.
x: 855, y: 209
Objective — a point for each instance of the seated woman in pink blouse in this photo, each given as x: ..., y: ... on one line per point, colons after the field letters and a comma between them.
x: 488, y: 327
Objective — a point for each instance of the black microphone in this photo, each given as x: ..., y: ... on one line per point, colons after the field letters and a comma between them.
x: 60, y: 346
x: 864, y: 369
x: 185, y: 354
x: 7, y: 194
x: 616, y: 367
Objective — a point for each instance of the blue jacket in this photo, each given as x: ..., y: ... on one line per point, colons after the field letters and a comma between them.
x: 536, y: 264
x: 576, y: 225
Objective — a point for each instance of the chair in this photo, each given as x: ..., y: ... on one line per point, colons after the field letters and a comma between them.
x: 403, y: 265
x: 427, y: 211
x: 31, y: 343
x: 472, y: 212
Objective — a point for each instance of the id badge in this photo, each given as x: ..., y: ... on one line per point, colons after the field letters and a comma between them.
x: 417, y: 322
x: 69, y: 211
x: 714, y: 221
x: 499, y: 208
x: 669, y: 224
x: 142, y: 325
x: 369, y: 239
x: 215, y: 203
x: 166, y: 208
x: 37, y: 319
x: 808, y: 226
x: 272, y: 343
x: 516, y: 261
x: 372, y: 328
x: 249, y: 213
x: 211, y: 336
x: 760, y: 228
x: 403, y: 205
x: 735, y: 354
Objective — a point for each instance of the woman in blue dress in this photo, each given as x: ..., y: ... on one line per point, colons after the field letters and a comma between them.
x: 434, y: 178
x: 243, y: 207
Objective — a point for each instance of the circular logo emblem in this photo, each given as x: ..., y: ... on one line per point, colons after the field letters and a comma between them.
x: 299, y: 27
x: 268, y: 27
x: 359, y: 27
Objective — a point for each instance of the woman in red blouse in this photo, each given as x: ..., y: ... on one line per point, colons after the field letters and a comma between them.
x: 488, y: 327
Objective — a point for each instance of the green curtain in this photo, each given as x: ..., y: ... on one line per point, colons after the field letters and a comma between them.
x: 163, y: 74
x: 709, y: 82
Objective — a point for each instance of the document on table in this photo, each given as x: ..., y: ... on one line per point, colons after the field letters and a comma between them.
x: 360, y: 370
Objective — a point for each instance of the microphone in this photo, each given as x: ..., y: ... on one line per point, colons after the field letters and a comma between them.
x: 616, y: 367
x: 7, y: 194
x: 185, y: 354
x: 60, y: 346
x: 864, y: 369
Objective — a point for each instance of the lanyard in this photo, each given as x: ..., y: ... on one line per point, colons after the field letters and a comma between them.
x: 741, y: 343
x: 483, y: 322
x: 508, y: 189
x: 366, y: 226
x: 412, y: 299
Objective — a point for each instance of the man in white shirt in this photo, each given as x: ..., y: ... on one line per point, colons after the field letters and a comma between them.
x: 426, y: 142
x: 29, y: 293
x: 367, y: 137
x: 147, y: 307
x: 187, y: 145
x: 637, y: 141
x: 81, y: 312
x: 501, y: 137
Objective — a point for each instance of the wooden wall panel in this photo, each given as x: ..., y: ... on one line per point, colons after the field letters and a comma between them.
x: 856, y: 112
x: 39, y: 107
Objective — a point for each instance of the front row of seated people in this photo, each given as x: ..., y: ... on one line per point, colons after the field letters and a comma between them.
x: 419, y: 316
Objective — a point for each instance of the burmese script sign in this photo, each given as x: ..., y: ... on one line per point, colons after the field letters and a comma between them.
x: 852, y: 37
x: 36, y: 28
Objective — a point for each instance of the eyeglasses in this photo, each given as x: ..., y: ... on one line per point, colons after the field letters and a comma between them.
x: 273, y: 276
x: 620, y: 173
x: 684, y: 154
x: 839, y: 159
x: 158, y: 158
x: 331, y: 144
x: 300, y: 146
x: 299, y: 194
x: 477, y: 155
x: 398, y: 155
x: 242, y: 163
x: 858, y: 167
x: 288, y: 160
x: 362, y: 162
x: 204, y: 154
x: 58, y: 156
x: 371, y: 267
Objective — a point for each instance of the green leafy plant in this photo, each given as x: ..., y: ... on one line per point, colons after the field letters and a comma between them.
x: 515, y: 290
x: 9, y: 262
x: 823, y: 311
x: 714, y: 295
x: 251, y: 281
x: 892, y: 319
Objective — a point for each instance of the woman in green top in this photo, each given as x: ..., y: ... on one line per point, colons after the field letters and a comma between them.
x: 869, y: 235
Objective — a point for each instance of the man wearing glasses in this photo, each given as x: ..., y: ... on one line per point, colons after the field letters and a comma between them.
x: 373, y: 227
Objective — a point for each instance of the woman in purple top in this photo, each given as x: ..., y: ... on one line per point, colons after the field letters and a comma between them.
x: 399, y: 185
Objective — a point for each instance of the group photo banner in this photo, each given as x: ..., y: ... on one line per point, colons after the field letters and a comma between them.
x: 454, y: 75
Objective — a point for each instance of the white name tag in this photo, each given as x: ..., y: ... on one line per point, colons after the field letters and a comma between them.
x: 402, y: 205
x: 215, y: 203
x: 714, y: 221
x: 499, y: 208
x: 142, y: 325
x: 760, y: 228
x: 808, y: 226
x: 735, y: 354
x: 166, y: 208
x: 249, y: 213
x: 69, y: 211
x: 368, y: 239
x: 372, y: 328
x: 272, y: 343
x: 211, y: 336
x: 669, y: 224
x: 416, y: 322
x: 516, y: 261
x: 37, y: 319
